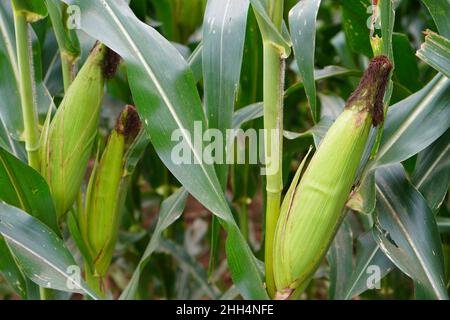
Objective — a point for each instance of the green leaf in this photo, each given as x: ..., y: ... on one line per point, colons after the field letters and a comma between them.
x: 431, y: 175
x: 224, y: 29
x: 247, y: 113
x: 332, y: 106
x: 164, y: 13
x: 317, y: 132
x: 32, y: 9
x: 387, y: 15
x: 443, y: 224
x: 340, y: 259
x: 269, y: 31
x: 255, y: 111
x: 40, y: 253
x: 67, y: 38
x: 320, y: 74
x: 406, y: 70
x: 344, y: 51
x: 187, y: 263
x: 356, y: 14
x: 369, y: 258
x: 11, y: 271
x: 164, y: 90
x: 439, y: 10
x: 302, y: 22
x: 25, y: 188
x: 407, y: 231
x: 10, y: 107
x: 415, y: 122
x: 435, y: 51
x: 171, y: 210
x: 195, y: 62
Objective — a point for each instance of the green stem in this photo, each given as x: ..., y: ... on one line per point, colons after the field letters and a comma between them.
x: 68, y: 53
x: 24, y: 59
x: 95, y: 283
x: 273, y: 126
x: 67, y: 65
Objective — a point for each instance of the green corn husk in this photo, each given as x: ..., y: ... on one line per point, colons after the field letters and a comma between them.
x: 99, y: 223
x: 312, y: 210
x: 68, y: 143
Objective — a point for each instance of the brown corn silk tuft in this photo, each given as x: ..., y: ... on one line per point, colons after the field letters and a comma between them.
x: 129, y: 123
x: 110, y: 63
x: 372, y: 88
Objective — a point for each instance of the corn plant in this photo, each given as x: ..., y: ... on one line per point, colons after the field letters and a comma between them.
x: 224, y: 149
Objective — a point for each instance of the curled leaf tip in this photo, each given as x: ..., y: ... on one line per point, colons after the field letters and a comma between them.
x: 372, y: 87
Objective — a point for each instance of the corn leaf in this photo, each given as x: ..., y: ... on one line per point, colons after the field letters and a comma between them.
x: 415, y: 123
x: 67, y: 39
x: 302, y: 22
x: 195, y: 62
x: 40, y: 253
x: 11, y: 271
x: 269, y: 31
x: 171, y: 210
x: 224, y: 28
x: 368, y: 256
x: 187, y: 263
x: 246, y: 114
x: 407, y: 232
x: 387, y: 15
x: 340, y: 259
x: 321, y: 74
x: 406, y: 70
x: 443, y: 224
x: 356, y: 14
x: 435, y: 51
x: 332, y: 106
x: 33, y: 10
x: 431, y: 175
x: 10, y: 107
x: 439, y: 10
x: 24, y: 188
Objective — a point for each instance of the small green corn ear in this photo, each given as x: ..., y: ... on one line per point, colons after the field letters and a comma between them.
x: 68, y: 143
x: 99, y: 223
x: 311, y: 214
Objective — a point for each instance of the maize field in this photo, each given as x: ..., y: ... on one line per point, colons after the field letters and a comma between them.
x: 224, y: 149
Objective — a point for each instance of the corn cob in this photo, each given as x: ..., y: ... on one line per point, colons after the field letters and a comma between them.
x: 106, y: 191
x: 68, y: 143
x: 312, y: 210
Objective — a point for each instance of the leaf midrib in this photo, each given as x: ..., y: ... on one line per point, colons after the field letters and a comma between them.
x: 416, y: 252
x: 410, y: 118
